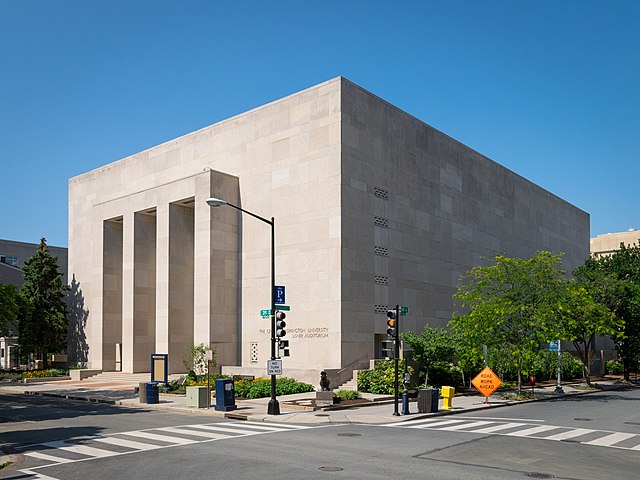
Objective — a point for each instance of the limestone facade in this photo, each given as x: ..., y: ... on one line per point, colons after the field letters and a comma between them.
x: 609, y: 242
x: 372, y: 208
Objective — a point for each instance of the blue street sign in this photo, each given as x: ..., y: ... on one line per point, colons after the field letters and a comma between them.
x: 553, y: 346
x: 279, y: 294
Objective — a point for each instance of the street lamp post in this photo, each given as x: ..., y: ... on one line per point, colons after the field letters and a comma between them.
x: 274, y: 406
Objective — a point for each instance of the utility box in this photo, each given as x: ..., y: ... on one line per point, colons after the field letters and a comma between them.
x: 428, y: 400
x: 148, y: 393
x: 198, y: 397
x: 225, y: 395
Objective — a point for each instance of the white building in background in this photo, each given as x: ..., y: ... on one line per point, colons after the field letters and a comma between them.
x: 610, y: 242
x: 372, y: 208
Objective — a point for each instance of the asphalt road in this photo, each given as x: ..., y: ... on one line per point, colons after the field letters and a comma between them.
x: 594, y: 436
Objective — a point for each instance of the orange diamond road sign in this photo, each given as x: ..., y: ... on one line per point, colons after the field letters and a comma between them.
x: 486, y: 382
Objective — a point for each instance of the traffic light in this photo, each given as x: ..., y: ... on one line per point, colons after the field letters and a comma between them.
x: 387, y: 349
x: 392, y: 324
x: 283, y: 348
x: 280, y: 324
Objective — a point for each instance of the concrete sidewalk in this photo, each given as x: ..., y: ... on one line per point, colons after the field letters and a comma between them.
x: 379, y: 410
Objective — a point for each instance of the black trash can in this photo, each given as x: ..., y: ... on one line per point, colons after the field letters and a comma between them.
x: 428, y: 400
x: 225, y: 395
x: 148, y: 393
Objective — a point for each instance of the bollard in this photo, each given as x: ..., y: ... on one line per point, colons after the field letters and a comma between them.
x: 447, y: 397
x: 405, y: 403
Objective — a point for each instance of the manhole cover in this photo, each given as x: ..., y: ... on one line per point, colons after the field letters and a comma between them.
x: 330, y: 469
x: 538, y: 475
x: 349, y: 434
x: 579, y: 419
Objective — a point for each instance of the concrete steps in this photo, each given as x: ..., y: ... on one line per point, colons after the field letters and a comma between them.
x: 349, y: 385
x: 124, y: 378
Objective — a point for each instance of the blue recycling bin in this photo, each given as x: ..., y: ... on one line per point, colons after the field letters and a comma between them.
x: 148, y: 393
x: 225, y: 395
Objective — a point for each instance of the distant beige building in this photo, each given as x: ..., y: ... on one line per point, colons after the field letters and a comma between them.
x: 372, y: 208
x: 610, y: 242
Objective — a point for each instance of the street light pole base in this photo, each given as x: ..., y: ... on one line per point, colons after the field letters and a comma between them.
x: 274, y: 407
x: 559, y: 390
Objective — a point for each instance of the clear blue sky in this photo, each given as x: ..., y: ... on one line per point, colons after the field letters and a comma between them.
x: 549, y: 89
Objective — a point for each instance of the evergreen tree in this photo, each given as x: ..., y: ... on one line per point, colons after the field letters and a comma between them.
x: 8, y: 309
x: 42, y: 321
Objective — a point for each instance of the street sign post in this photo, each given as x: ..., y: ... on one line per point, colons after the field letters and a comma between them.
x: 274, y: 367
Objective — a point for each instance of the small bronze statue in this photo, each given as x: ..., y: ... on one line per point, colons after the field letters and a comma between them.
x: 324, y: 381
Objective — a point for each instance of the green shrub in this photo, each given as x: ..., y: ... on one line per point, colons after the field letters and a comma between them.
x: 346, y: 394
x: 380, y: 380
x: 51, y: 372
x: 288, y: 386
x: 10, y: 376
x: 261, y: 387
x: 614, y: 367
x: 444, y: 373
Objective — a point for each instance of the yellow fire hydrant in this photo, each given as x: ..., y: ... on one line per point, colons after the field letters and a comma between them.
x: 447, y: 397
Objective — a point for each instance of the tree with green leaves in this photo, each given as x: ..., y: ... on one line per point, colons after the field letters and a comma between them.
x: 508, y: 303
x: 197, y: 361
x: 614, y: 280
x: 42, y: 320
x: 580, y: 318
x: 435, y: 351
x: 9, y: 303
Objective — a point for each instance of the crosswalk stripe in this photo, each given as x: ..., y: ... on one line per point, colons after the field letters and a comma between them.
x: 223, y: 429
x: 82, y: 450
x: 465, y: 425
x: 500, y: 426
x: 37, y: 476
x: 194, y: 432
x: 48, y: 458
x: 524, y: 429
x: 121, y: 442
x: 531, y: 431
x: 273, y: 427
x: 611, y: 439
x: 199, y: 432
x: 162, y: 438
x: 576, y: 432
x: 433, y: 424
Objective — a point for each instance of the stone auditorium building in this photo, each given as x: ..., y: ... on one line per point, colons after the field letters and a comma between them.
x: 372, y: 208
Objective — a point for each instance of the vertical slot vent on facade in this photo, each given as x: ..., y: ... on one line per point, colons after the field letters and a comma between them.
x: 381, y: 280
x: 380, y: 308
x: 382, y: 251
x: 381, y: 222
x: 381, y: 193
x: 254, y: 352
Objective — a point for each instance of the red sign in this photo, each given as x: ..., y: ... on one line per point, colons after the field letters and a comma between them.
x: 486, y: 382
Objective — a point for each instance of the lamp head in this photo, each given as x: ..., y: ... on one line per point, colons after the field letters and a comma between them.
x: 216, y: 202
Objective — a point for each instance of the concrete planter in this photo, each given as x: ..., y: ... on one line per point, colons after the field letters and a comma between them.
x: 45, y: 379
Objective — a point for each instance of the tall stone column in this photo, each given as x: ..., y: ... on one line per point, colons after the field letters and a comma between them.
x: 181, y: 298
x: 112, y: 251
x: 144, y: 299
